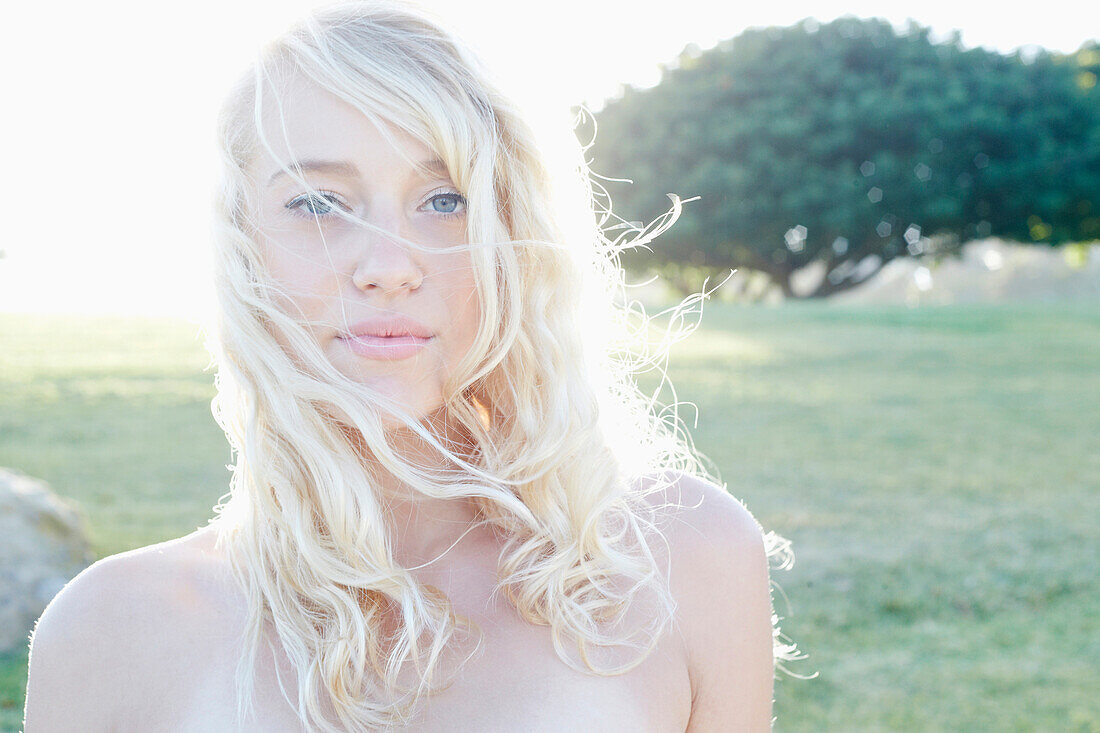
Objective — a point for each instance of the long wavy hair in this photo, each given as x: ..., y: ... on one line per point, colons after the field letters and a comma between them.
x: 568, y: 454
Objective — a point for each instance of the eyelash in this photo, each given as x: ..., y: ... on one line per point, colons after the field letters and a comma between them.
x: 295, y: 204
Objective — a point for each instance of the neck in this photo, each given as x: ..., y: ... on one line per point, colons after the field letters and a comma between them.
x: 421, y: 527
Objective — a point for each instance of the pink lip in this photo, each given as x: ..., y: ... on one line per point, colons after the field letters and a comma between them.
x: 387, y: 338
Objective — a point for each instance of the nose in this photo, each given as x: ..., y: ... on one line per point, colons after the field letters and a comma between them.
x: 386, y: 265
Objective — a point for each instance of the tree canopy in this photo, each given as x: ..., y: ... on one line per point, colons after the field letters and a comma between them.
x: 852, y: 143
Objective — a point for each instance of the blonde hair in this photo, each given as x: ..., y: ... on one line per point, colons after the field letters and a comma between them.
x: 567, y: 449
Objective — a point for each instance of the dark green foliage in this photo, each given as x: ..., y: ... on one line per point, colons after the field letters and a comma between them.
x: 850, y: 139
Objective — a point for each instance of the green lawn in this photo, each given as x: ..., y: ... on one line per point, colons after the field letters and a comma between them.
x: 936, y: 470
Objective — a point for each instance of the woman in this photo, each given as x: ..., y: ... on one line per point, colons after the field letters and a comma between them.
x: 451, y: 509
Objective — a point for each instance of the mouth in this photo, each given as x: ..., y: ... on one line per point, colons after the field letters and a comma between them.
x: 386, y: 348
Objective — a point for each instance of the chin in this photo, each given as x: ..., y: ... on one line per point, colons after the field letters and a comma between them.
x: 418, y: 406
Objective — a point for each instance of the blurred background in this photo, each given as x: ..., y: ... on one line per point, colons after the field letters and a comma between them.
x: 894, y: 208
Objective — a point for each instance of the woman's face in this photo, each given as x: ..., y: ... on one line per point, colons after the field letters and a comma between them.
x: 345, y: 282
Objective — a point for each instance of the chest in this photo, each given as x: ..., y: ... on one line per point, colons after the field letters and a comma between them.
x: 513, y: 682
x: 518, y: 683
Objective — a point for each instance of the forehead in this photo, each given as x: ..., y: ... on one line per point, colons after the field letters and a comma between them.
x: 304, y: 121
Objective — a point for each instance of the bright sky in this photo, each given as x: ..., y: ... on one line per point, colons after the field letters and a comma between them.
x: 109, y: 162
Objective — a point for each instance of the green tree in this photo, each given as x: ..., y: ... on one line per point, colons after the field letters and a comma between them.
x: 852, y: 144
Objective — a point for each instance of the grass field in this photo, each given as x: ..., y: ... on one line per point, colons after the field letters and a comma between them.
x: 936, y: 470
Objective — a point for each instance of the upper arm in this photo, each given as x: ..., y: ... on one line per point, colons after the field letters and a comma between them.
x: 724, y: 596
x: 73, y: 678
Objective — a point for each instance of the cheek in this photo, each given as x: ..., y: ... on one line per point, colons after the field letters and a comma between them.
x: 465, y: 305
x: 304, y: 285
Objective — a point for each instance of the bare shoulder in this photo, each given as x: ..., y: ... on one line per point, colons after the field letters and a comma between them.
x: 719, y: 579
x: 95, y: 645
x: 706, y: 511
x: 704, y: 523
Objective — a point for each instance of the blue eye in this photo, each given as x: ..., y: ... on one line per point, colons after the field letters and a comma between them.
x: 448, y: 203
x: 319, y: 205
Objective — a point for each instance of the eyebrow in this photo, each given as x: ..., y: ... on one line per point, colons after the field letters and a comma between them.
x: 345, y: 168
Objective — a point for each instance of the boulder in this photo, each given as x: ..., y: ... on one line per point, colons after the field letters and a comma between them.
x: 43, y: 544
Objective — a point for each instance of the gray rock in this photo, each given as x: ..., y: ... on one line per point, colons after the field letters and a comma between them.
x: 43, y: 544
